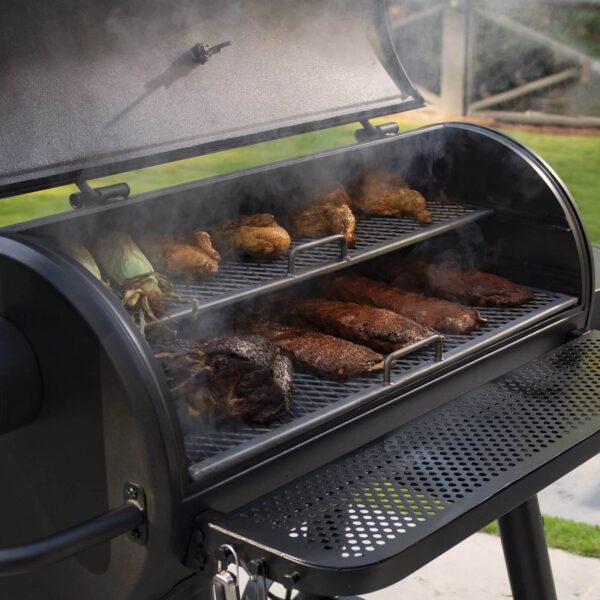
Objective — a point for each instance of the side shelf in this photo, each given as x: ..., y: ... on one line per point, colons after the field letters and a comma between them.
x: 377, y: 514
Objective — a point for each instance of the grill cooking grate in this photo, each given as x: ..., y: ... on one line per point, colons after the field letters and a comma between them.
x: 312, y: 393
x: 379, y: 500
x: 246, y: 277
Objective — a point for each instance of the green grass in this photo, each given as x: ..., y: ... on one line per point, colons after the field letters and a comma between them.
x: 576, y: 538
x: 50, y: 201
x: 575, y: 158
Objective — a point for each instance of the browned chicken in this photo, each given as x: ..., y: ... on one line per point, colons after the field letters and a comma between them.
x: 441, y: 315
x: 317, y: 352
x: 180, y: 256
x: 388, y: 195
x: 328, y: 215
x: 474, y: 288
x: 256, y: 235
x: 377, y: 328
x: 203, y: 241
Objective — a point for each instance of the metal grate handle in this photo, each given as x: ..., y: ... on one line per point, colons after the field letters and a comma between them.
x: 317, y: 243
x: 390, y: 359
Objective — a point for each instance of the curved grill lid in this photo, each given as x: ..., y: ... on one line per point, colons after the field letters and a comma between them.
x: 91, y: 87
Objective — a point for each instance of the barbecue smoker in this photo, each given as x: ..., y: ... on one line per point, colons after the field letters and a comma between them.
x: 106, y: 493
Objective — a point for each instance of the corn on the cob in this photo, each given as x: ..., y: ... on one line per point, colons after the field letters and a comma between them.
x: 125, y: 264
x: 83, y: 256
x: 120, y: 258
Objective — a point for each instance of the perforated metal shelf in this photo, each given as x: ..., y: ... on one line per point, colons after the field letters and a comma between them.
x: 316, y: 398
x: 373, y: 516
x: 242, y: 278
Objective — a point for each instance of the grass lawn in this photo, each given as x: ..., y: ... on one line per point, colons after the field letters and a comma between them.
x: 575, y: 158
x: 576, y: 538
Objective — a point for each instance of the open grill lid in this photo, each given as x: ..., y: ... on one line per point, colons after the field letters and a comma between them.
x: 92, y: 87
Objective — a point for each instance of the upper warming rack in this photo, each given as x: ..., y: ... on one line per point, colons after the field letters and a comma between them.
x: 243, y: 278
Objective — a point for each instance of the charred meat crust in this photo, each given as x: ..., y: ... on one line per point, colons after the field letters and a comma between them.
x: 380, y: 329
x: 231, y: 378
x: 474, y: 288
x: 318, y: 352
x: 441, y: 315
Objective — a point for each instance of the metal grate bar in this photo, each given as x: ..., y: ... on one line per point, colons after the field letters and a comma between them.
x: 314, y: 395
x: 383, y: 499
x: 243, y: 278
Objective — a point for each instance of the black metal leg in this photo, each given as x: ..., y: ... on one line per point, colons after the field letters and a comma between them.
x: 526, y: 553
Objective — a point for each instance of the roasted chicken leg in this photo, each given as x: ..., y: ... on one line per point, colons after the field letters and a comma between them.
x: 328, y: 215
x: 388, y: 195
x: 178, y: 256
x: 255, y: 235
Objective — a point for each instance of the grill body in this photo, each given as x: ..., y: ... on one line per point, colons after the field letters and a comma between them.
x: 107, y: 415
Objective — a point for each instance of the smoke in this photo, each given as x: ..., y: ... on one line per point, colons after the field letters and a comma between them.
x: 138, y: 89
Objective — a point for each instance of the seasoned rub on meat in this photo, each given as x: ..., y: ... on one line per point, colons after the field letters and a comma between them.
x: 473, y: 288
x: 179, y: 256
x: 441, y: 315
x: 377, y: 328
x: 388, y: 195
x: 255, y: 235
x: 317, y: 352
x: 328, y: 215
x: 232, y: 378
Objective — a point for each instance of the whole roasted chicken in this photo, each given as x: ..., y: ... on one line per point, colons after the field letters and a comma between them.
x: 386, y: 194
x: 255, y: 235
x: 329, y: 214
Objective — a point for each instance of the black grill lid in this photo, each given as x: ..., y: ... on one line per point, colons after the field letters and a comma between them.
x: 91, y: 87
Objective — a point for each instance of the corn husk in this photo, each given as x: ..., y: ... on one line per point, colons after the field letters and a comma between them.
x: 84, y: 257
x: 143, y: 291
x: 122, y: 260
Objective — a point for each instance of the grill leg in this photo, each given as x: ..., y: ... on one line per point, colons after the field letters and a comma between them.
x: 526, y: 553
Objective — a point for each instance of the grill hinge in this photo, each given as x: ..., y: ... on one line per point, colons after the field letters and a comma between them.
x: 370, y: 132
x: 88, y: 196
